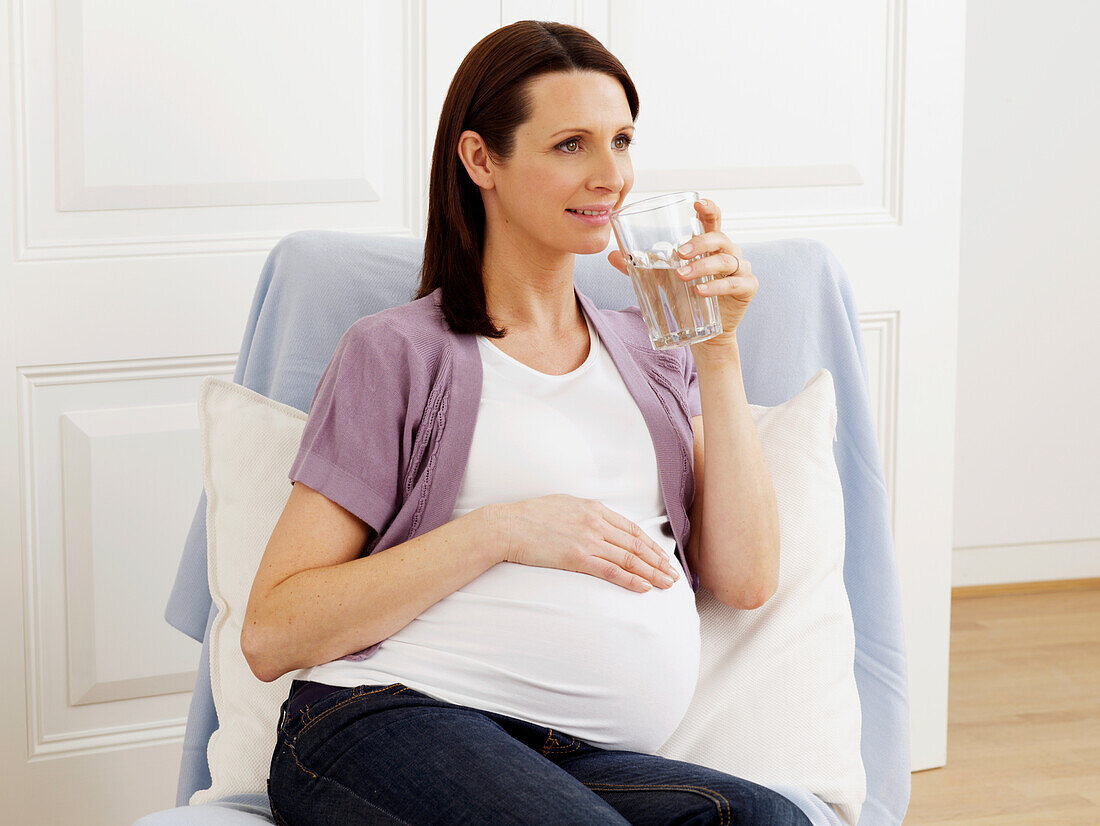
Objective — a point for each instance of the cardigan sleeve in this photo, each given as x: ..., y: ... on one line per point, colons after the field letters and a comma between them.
x: 351, y: 446
x: 691, y: 382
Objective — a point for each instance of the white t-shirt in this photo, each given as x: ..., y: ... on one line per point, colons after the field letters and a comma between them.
x: 609, y: 666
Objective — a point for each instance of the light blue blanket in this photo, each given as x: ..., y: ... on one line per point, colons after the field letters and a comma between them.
x: 315, y: 284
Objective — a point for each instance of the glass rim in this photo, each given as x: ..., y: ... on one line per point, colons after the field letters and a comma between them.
x: 655, y: 202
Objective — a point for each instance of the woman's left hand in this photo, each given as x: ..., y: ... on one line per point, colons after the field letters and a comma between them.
x: 734, y: 285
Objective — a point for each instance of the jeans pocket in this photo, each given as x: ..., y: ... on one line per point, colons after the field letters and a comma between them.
x: 336, y: 701
x: 558, y: 742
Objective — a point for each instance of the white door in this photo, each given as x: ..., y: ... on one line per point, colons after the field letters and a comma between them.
x: 841, y: 122
x: 153, y: 160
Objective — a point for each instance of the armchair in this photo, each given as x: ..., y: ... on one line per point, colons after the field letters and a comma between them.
x: 315, y: 284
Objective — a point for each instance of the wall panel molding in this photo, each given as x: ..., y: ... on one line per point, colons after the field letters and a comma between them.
x: 879, y: 331
x: 105, y: 506
x: 114, y: 188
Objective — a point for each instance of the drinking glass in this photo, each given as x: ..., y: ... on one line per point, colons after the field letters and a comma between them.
x: 649, y: 233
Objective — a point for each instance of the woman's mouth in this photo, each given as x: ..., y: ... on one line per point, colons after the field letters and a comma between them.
x: 597, y: 220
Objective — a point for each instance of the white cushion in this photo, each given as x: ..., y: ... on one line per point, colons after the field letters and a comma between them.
x: 248, y: 444
x: 777, y: 701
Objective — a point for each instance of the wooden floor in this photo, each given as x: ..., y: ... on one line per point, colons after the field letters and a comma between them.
x: 1023, y: 740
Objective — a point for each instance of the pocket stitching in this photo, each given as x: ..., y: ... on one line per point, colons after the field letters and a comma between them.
x: 558, y: 747
x: 343, y: 703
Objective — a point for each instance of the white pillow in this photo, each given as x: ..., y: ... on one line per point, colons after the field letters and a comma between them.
x: 248, y: 444
x: 776, y: 701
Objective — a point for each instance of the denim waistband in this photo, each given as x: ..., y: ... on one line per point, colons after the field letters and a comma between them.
x: 307, y: 692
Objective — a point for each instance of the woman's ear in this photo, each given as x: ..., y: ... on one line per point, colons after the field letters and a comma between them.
x: 472, y: 153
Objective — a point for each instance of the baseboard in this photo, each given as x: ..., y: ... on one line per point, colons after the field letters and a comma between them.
x: 968, y: 591
x: 1030, y: 563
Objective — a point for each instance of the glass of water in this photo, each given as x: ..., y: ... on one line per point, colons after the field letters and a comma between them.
x: 649, y: 233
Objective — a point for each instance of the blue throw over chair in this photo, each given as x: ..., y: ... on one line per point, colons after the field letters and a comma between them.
x: 315, y: 284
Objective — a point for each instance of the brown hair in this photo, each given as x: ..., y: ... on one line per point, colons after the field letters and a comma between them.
x: 490, y: 95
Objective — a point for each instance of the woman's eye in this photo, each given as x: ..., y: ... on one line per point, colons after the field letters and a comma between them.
x: 625, y: 141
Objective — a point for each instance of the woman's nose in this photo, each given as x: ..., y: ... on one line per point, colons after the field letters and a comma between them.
x: 610, y: 172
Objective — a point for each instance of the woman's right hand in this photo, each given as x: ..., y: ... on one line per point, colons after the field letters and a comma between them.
x: 583, y: 535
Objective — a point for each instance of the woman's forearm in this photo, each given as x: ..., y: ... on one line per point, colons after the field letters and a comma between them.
x: 321, y: 614
x: 739, y: 541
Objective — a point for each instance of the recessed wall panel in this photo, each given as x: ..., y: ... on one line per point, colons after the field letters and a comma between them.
x: 113, y: 475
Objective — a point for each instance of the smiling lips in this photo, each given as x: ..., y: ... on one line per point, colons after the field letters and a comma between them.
x: 597, y: 220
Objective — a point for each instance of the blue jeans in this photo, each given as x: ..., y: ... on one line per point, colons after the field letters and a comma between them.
x: 386, y: 754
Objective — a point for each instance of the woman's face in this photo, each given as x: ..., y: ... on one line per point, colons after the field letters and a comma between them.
x: 572, y: 153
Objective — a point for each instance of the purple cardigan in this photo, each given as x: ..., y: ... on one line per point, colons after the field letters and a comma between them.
x: 392, y: 419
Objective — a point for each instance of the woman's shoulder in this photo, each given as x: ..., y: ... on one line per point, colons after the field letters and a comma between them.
x: 421, y: 315
x: 416, y: 327
x: 628, y: 323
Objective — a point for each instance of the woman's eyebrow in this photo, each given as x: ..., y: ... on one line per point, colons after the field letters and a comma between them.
x: 586, y: 132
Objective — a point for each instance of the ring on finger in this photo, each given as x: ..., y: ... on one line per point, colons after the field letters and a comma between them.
x: 735, y: 269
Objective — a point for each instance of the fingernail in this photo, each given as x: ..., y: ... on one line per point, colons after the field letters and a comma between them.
x: 705, y: 202
x: 688, y: 247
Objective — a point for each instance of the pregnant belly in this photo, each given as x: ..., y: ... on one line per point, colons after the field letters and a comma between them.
x: 570, y: 651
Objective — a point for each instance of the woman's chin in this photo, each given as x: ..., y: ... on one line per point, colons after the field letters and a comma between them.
x: 595, y: 242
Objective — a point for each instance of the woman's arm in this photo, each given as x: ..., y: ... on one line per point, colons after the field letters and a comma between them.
x: 314, y: 599
x: 734, y: 512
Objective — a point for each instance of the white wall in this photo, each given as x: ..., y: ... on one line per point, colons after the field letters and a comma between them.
x: 1027, y: 495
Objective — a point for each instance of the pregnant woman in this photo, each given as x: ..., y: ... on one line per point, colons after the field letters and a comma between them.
x: 484, y: 577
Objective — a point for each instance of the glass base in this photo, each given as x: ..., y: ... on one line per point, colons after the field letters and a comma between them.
x: 674, y: 314
x: 683, y: 338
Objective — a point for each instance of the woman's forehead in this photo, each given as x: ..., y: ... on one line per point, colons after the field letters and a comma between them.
x: 589, y: 101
